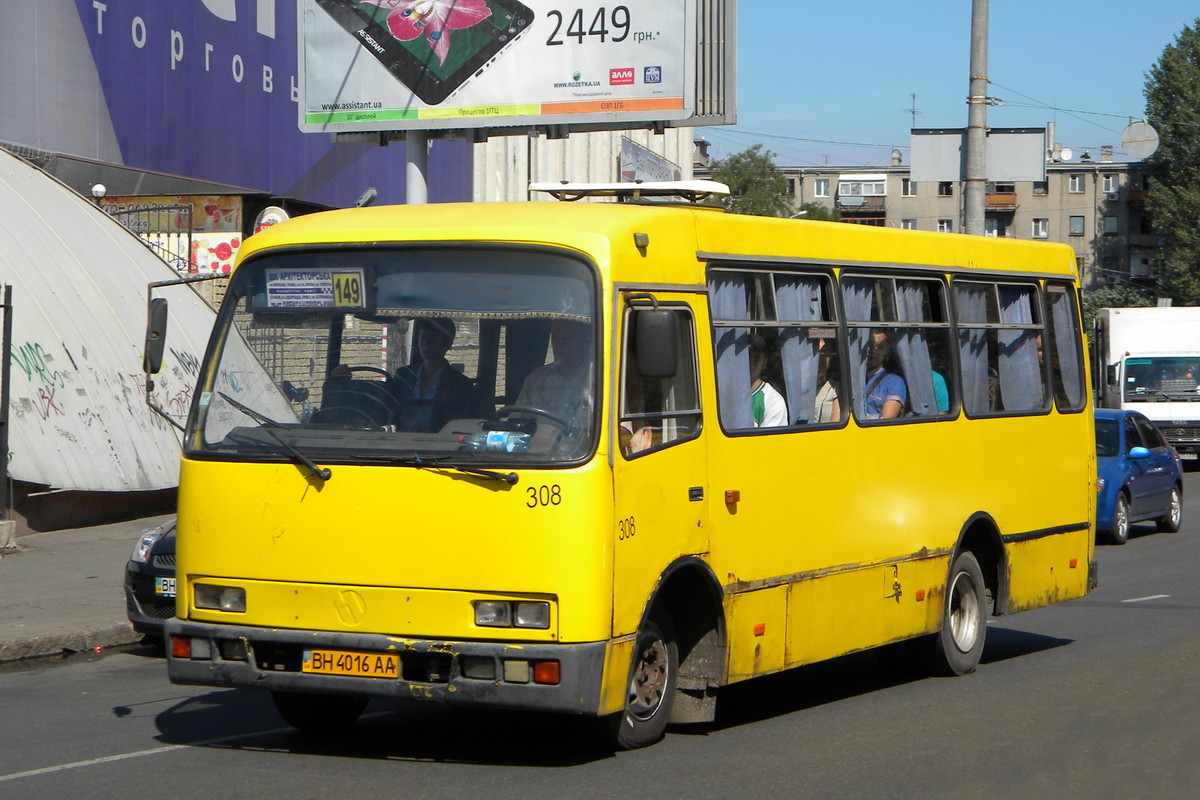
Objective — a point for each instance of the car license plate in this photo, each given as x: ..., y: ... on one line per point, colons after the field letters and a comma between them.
x: 344, y: 662
x: 164, y: 587
x: 1188, y: 456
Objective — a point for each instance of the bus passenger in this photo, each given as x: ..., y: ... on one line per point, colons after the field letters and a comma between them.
x: 886, y: 391
x: 432, y: 392
x: 563, y: 388
x: 828, y: 406
x: 768, y: 408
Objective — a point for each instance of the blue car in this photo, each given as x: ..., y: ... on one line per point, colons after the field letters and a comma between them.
x: 1140, y: 476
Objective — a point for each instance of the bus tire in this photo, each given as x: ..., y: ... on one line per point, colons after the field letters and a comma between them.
x: 959, y: 644
x: 651, y: 689
x: 318, y: 713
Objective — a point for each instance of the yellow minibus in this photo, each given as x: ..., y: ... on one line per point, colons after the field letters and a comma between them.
x: 604, y: 458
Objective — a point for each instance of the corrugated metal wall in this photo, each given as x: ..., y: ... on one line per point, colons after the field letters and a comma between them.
x: 78, y: 415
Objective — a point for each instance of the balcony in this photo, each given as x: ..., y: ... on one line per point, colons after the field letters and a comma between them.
x: 859, y: 205
x: 1001, y: 201
x: 1147, y: 240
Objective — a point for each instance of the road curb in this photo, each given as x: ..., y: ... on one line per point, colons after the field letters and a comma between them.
x: 79, y: 641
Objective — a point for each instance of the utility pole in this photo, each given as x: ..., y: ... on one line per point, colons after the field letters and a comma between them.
x: 975, y: 180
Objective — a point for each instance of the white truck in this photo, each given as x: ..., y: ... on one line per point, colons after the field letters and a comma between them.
x: 1148, y: 359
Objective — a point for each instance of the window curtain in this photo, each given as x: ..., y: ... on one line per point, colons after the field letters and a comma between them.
x: 1020, y: 370
x: 1066, y: 348
x: 856, y: 296
x: 799, y: 300
x: 913, y: 349
x: 727, y: 294
x: 972, y: 347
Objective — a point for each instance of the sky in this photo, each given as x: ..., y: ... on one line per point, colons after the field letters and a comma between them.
x: 836, y: 83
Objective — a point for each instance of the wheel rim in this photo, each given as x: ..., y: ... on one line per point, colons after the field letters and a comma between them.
x: 1121, y: 521
x: 1176, y: 507
x: 964, y: 612
x: 649, y: 680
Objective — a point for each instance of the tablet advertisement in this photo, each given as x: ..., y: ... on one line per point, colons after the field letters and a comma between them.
x: 444, y: 64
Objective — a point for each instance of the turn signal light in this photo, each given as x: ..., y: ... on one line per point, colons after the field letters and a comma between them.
x: 546, y: 672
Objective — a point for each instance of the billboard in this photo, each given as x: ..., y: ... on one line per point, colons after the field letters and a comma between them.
x: 384, y: 65
x: 1012, y: 154
x: 202, y: 89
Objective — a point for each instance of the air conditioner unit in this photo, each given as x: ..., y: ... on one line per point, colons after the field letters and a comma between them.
x: 1112, y: 280
x: 1112, y: 195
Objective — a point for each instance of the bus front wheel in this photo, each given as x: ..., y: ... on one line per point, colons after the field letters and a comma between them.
x: 959, y: 644
x: 651, y: 689
x: 318, y: 713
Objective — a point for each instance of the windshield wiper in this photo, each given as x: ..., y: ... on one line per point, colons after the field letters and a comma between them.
x: 268, y: 424
x: 436, y: 463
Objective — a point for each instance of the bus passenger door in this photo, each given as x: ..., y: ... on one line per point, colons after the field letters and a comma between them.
x: 659, y: 464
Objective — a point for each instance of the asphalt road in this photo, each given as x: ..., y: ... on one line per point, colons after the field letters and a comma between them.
x: 1096, y: 698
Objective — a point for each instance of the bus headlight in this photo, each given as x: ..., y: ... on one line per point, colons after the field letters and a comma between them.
x: 532, y: 615
x: 220, y: 598
x: 493, y: 614
x: 504, y: 614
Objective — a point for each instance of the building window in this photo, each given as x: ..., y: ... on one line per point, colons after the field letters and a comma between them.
x: 821, y: 187
x: 908, y: 224
x: 1111, y: 225
x: 1002, y: 187
x: 946, y: 189
x: 1075, y: 184
x: 945, y: 226
x: 1110, y: 183
x: 1041, y: 228
x: 791, y: 184
x: 1040, y: 188
x: 861, y: 188
x: 908, y: 187
x: 1075, y: 226
x: 993, y: 227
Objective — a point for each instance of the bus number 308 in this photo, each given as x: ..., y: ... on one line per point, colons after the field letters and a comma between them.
x: 626, y: 528
x: 544, y: 495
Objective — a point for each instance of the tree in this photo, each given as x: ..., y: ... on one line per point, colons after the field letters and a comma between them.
x: 756, y: 184
x: 1112, y: 297
x: 814, y: 210
x: 1173, y: 108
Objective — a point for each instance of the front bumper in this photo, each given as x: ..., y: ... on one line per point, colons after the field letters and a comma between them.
x: 430, y: 670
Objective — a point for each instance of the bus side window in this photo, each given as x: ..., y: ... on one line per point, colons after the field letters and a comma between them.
x: 899, y: 338
x: 1066, y: 368
x: 658, y: 412
x: 775, y: 342
x: 1000, y: 328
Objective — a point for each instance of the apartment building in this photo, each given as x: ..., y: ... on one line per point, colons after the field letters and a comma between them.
x: 1095, y: 206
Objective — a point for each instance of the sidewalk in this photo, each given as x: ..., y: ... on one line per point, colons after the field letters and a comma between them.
x: 63, y: 590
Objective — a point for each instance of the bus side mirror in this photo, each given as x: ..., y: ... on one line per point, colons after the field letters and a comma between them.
x: 657, y: 342
x: 1112, y: 375
x: 156, y: 335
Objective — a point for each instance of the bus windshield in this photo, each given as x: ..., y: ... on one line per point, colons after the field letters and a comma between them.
x: 1161, y: 378
x: 438, y: 356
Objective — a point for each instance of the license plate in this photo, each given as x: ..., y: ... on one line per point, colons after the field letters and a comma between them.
x: 1188, y: 456
x: 344, y: 662
x: 164, y: 587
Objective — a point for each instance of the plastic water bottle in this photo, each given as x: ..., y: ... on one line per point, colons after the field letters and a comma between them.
x: 496, y: 441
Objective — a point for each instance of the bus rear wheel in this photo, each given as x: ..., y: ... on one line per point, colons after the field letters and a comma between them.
x: 318, y: 713
x: 651, y: 689
x: 959, y: 644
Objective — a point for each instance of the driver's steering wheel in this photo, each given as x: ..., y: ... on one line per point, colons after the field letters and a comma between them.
x: 382, y: 372
x: 557, y: 421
